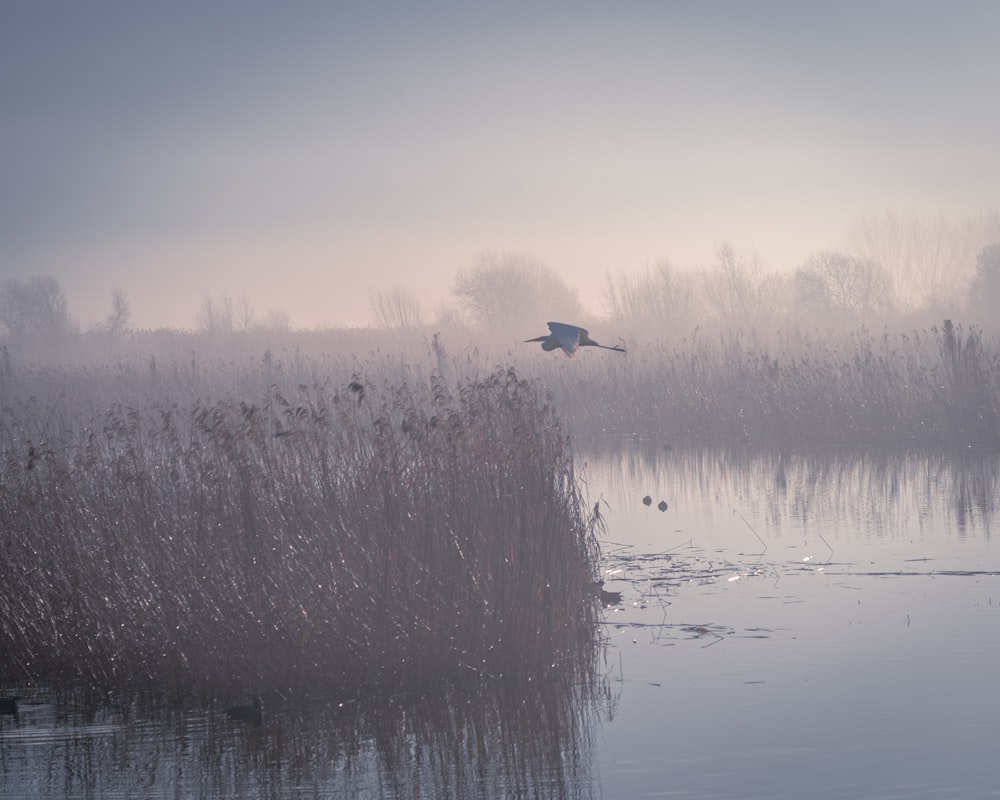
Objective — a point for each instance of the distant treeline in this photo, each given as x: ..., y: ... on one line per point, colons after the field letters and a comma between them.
x: 895, y: 270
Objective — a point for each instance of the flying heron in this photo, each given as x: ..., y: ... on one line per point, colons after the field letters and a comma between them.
x: 570, y: 338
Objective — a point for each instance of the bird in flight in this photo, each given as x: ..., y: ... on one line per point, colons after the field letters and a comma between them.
x: 570, y: 338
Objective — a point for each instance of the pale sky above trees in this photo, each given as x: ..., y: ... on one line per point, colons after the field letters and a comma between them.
x: 305, y: 155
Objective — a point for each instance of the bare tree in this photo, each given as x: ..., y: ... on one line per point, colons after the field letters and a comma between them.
x: 660, y: 298
x: 508, y: 290
x: 278, y: 321
x: 834, y: 285
x: 448, y: 316
x: 216, y: 316
x: 984, y: 291
x: 931, y: 257
x: 396, y: 309
x: 739, y: 291
x: 34, y: 309
x: 245, y: 315
x: 120, y: 315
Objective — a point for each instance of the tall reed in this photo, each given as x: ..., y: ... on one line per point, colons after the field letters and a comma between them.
x: 926, y: 389
x: 374, y: 533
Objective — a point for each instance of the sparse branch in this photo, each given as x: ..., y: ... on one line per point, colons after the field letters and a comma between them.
x: 507, y: 290
x: 34, y: 309
x: 396, y: 309
x: 120, y: 315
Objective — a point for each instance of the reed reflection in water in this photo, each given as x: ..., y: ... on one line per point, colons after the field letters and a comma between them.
x: 502, y: 739
x: 879, y: 493
x: 790, y: 626
x: 797, y: 625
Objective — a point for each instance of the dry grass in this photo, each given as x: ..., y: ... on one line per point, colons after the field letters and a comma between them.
x: 222, y: 515
x: 938, y: 388
x: 231, y: 527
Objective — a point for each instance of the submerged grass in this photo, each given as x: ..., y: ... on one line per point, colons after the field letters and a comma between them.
x: 373, y: 533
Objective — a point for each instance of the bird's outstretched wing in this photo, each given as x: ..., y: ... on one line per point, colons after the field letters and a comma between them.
x: 568, y: 336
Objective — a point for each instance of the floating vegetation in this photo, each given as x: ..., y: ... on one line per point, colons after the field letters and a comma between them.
x: 375, y: 533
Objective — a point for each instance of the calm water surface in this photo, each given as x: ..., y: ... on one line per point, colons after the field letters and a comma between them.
x: 795, y: 627
x: 790, y: 627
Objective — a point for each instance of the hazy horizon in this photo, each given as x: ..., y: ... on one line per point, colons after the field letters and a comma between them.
x: 305, y: 154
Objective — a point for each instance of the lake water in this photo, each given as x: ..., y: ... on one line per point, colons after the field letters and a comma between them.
x: 789, y: 627
x: 795, y: 627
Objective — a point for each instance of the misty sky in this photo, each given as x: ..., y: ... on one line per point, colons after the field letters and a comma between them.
x: 302, y: 153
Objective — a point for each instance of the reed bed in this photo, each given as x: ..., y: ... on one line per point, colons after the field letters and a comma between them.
x: 371, y: 533
x: 937, y: 388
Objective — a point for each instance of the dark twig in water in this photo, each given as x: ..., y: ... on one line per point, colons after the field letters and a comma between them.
x: 830, y: 557
x: 754, y: 532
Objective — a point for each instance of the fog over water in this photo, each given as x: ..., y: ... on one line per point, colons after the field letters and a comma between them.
x: 302, y: 156
x: 270, y: 425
